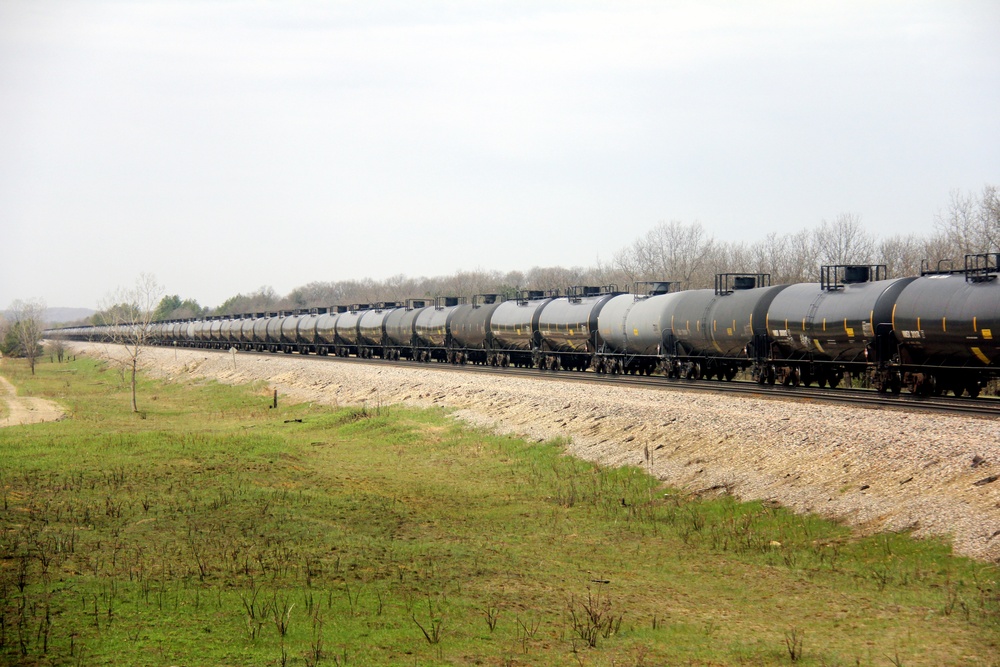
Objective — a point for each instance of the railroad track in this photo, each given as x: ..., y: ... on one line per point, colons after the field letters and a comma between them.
x: 983, y: 407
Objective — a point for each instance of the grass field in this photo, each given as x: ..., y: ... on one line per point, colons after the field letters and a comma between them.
x: 211, y: 529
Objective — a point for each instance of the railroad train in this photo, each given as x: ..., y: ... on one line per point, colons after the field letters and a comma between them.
x: 930, y: 334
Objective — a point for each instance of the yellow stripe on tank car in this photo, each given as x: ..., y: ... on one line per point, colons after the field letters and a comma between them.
x: 894, y: 316
x: 918, y: 324
x: 944, y: 324
x: 974, y: 327
x: 824, y: 324
x: 803, y: 324
x: 818, y: 346
x: 982, y: 357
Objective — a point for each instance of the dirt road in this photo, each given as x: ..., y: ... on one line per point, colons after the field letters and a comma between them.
x: 26, y: 410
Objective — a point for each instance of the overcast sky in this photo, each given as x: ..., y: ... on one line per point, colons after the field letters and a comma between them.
x: 222, y: 146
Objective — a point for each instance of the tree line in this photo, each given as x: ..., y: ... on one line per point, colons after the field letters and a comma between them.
x: 687, y: 254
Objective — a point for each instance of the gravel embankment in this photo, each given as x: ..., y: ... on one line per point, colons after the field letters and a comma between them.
x: 874, y: 469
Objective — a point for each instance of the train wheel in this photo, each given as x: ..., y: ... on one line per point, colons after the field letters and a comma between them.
x: 974, y: 389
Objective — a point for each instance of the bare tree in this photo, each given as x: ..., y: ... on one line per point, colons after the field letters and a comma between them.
x: 670, y: 250
x: 844, y: 241
x: 901, y: 255
x: 27, y: 324
x: 129, y: 314
x: 972, y: 223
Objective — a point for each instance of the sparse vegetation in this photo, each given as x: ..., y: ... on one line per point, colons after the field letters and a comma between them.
x: 218, y: 530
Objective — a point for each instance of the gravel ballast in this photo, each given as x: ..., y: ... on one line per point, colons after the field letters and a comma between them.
x: 873, y: 469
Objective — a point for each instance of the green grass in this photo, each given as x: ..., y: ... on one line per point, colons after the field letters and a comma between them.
x: 212, y: 530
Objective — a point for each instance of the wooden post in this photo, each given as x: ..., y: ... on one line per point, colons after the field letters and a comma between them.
x: 275, y: 399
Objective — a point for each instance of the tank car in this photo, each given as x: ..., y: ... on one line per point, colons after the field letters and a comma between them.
x: 306, y: 330
x: 326, y: 330
x: 215, y: 333
x: 567, y: 328
x: 202, y: 333
x: 632, y: 327
x: 260, y: 330
x: 431, y: 332
x: 714, y: 333
x: 226, y: 331
x: 371, y: 329
x: 470, y: 329
x: 820, y: 331
x: 514, y: 328
x: 346, y: 330
x: 236, y: 331
x: 400, y: 331
x: 288, y: 332
x: 272, y: 331
x: 246, y: 332
x: 945, y: 326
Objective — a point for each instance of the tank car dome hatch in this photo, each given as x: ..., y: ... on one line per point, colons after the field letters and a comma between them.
x: 836, y: 276
x: 653, y: 288
x: 727, y: 283
x: 856, y: 274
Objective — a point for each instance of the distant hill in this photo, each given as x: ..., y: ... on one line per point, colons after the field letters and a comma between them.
x: 58, y: 315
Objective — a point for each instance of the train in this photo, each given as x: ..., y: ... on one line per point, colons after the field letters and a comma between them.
x: 933, y: 333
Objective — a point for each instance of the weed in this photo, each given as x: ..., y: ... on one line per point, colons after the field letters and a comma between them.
x: 793, y: 643
x: 431, y: 627
x: 593, y: 618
